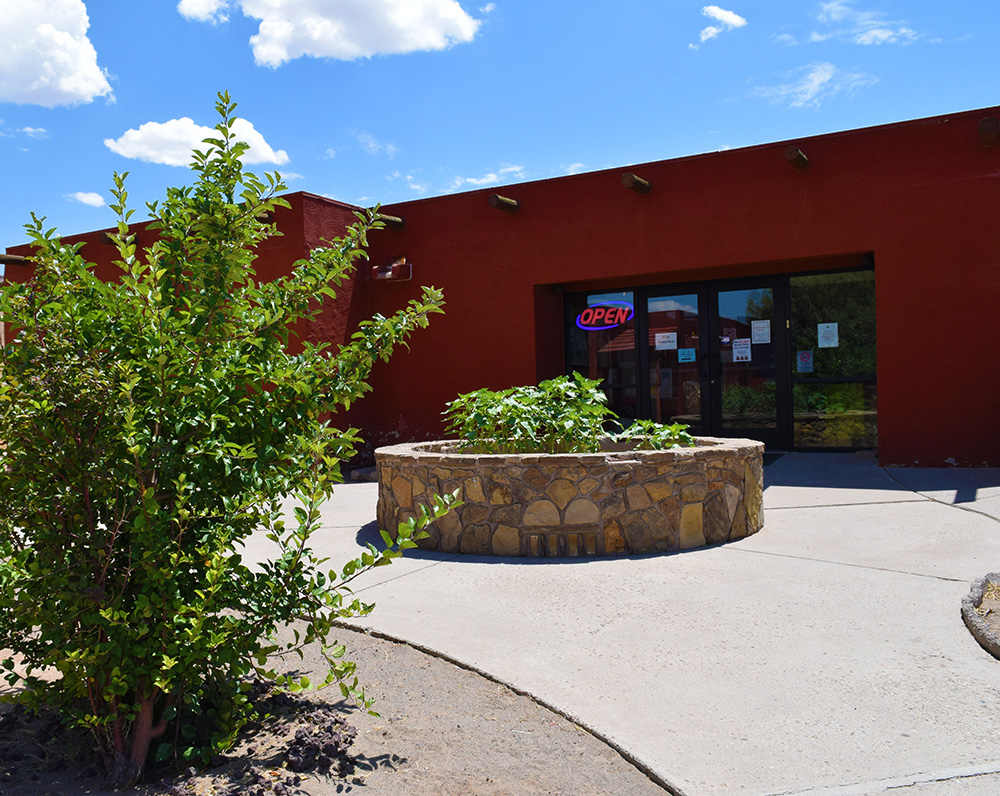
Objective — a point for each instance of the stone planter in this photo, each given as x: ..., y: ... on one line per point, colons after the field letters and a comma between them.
x: 617, y: 502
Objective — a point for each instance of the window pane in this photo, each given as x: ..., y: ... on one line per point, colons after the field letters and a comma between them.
x: 835, y: 415
x: 747, y: 353
x: 834, y: 397
x: 606, y: 353
x: 833, y: 325
x: 674, y: 348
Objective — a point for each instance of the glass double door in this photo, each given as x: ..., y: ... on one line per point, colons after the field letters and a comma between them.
x: 715, y: 354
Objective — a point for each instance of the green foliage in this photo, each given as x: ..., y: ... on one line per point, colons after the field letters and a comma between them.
x: 149, y: 426
x: 829, y: 399
x: 558, y: 416
x: 742, y: 401
x: 568, y: 414
x: 848, y: 299
x: 650, y: 435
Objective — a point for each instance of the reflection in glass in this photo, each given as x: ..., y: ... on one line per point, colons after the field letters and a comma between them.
x: 835, y: 415
x: 748, y: 378
x: 834, y: 396
x: 844, y: 299
x: 674, y: 383
x: 606, y: 354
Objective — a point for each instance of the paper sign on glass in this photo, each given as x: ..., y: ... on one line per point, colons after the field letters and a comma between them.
x: 760, y: 332
x: 665, y: 341
x: 828, y: 335
x: 686, y: 354
x: 741, y: 350
x: 804, y: 362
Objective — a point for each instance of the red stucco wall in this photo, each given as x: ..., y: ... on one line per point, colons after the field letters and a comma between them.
x: 921, y: 195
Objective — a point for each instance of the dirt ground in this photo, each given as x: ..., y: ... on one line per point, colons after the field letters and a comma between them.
x: 443, y: 730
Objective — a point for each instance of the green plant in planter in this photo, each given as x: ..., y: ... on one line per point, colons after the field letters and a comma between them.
x: 568, y: 414
x: 650, y: 435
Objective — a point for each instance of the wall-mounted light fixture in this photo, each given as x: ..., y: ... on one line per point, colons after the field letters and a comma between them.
x: 397, y: 271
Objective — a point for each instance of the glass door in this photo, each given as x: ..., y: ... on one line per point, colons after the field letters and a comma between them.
x: 601, y: 344
x: 678, y: 387
x: 715, y: 358
x: 788, y: 360
x: 747, y: 372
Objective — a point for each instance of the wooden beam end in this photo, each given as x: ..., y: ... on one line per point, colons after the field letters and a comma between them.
x: 503, y: 203
x: 634, y: 183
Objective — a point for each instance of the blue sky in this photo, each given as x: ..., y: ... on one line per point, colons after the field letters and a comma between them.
x: 385, y: 100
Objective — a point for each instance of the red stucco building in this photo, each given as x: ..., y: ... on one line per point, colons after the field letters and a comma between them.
x: 827, y: 293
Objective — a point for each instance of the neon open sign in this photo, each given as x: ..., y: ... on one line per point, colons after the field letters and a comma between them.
x: 606, y: 315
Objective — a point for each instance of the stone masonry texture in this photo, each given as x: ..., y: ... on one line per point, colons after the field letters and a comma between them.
x: 609, y: 503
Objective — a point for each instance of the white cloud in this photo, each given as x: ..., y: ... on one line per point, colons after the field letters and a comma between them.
x: 416, y: 185
x: 34, y: 132
x: 486, y: 9
x: 491, y: 178
x: 861, y: 27
x: 574, y: 168
x: 213, y: 11
x: 885, y: 36
x: 728, y: 19
x: 47, y: 58
x: 835, y: 11
x: 373, y: 146
x: 343, y: 29
x: 670, y: 305
x: 816, y: 83
x: 330, y: 153
x: 87, y: 198
x: 171, y: 143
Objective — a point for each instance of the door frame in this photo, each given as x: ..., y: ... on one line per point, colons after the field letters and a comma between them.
x: 785, y: 379
x: 709, y: 359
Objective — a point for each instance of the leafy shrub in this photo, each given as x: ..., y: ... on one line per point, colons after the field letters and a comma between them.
x: 568, y: 414
x: 149, y: 426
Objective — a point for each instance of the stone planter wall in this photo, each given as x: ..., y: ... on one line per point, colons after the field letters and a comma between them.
x: 609, y: 503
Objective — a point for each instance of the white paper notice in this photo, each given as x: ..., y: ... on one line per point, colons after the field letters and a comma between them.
x: 828, y: 335
x: 741, y: 350
x: 665, y: 341
x: 760, y: 332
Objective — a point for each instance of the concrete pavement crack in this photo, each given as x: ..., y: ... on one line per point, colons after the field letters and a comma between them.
x: 921, y: 499
x: 873, y: 787
x: 402, y: 575
x: 935, y: 500
x: 849, y: 564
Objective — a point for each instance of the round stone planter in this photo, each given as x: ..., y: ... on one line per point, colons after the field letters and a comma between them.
x: 617, y: 502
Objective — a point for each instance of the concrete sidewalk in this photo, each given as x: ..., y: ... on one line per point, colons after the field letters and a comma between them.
x: 825, y: 655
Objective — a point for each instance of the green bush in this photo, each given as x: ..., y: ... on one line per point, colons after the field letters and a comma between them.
x: 149, y: 426
x: 568, y: 414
